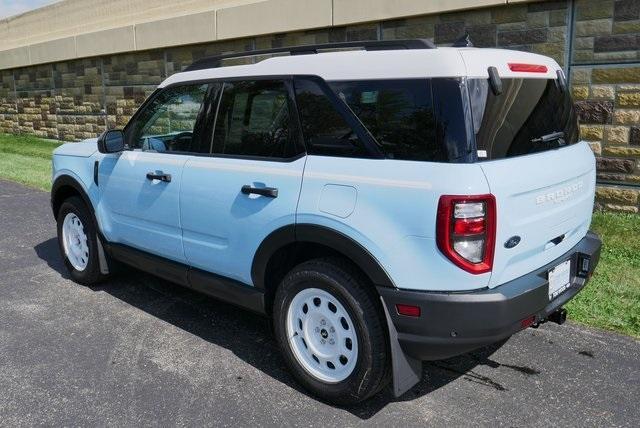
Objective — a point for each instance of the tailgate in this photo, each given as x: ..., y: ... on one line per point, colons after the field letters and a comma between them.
x: 546, y: 199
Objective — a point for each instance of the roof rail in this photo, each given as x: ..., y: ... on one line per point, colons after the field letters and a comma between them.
x: 373, y: 45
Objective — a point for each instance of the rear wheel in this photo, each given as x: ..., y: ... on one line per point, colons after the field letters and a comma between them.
x: 77, y: 239
x: 330, y: 328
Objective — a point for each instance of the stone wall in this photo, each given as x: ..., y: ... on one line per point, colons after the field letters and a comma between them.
x: 605, y: 79
x: 596, y: 41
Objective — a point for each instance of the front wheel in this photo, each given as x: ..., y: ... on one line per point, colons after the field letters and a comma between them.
x: 330, y: 328
x: 77, y: 239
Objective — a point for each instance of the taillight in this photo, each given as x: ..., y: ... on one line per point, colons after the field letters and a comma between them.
x: 527, y: 68
x: 466, y: 231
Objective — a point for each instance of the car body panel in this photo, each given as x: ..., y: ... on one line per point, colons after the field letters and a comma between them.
x: 394, y: 214
x: 223, y: 227
x: 84, y: 149
x: 540, y: 197
x: 136, y: 211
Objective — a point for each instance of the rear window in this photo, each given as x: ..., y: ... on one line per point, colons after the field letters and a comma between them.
x: 529, y: 116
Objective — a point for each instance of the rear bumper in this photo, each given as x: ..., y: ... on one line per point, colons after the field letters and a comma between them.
x: 455, y: 323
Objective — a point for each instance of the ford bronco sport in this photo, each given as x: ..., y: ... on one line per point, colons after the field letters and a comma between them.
x: 383, y: 206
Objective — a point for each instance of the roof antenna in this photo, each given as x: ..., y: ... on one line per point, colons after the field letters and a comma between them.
x: 463, y: 42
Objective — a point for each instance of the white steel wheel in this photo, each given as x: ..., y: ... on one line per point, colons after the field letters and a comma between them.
x: 74, y: 242
x: 322, y: 335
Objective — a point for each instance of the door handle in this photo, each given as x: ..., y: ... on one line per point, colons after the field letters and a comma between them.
x: 159, y: 175
x: 270, y: 192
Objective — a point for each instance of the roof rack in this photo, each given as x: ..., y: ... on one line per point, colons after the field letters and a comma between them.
x: 374, y: 45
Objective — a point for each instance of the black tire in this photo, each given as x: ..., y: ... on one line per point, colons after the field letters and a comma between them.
x: 91, y: 273
x: 340, y: 279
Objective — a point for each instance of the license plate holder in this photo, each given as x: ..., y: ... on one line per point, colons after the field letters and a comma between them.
x: 559, y: 279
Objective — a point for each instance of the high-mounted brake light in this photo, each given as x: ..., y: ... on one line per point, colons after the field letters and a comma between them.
x: 466, y: 231
x: 527, y: 68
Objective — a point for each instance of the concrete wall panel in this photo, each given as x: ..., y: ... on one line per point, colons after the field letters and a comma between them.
x: 352, y: 11
x: 16, y: 57
x: 104, y: 42
x: 182, y: 30
x: 54, y: 50
x: 273, y: 16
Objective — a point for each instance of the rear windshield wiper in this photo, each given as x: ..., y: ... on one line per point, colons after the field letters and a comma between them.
x: 550, y: 137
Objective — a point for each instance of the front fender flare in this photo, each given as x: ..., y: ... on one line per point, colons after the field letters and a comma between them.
x: 67, y: 180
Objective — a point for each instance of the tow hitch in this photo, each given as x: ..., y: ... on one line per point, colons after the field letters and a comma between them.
x: 559, y: 316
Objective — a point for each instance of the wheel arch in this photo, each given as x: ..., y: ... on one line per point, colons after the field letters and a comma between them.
x: 64, y: 187
x: 292, y: 244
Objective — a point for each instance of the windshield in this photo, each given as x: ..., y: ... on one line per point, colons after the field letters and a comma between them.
x: 529, y: 116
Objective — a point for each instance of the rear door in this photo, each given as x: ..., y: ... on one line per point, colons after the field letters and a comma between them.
x: 542, y: 177
x: 249, y: 186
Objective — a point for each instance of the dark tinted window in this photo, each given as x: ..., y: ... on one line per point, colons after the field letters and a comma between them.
x: 454, y: 131
x: 515, y: 122
x: 325, y: 131
x: 174, y: 121
x: 398, y: 113
x: 254, y: 120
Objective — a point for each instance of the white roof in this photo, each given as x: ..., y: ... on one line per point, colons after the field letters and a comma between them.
x: 390, y: 64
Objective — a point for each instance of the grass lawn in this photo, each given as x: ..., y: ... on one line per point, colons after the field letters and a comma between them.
x: 26, y: 159
x: 611, y: 300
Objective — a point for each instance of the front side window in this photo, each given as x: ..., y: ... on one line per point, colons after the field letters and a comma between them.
x: 399, y: 115
x: 254, y: 120
x: 174, y: 121
x: 530, y: 115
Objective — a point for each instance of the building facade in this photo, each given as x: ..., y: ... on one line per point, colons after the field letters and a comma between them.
x: 70, y: 70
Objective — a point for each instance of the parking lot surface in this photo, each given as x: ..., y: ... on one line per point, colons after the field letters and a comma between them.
x: 140, y: 351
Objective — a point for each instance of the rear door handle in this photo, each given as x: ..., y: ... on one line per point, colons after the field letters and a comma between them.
x: 159, y: 175
x: 270, y: 192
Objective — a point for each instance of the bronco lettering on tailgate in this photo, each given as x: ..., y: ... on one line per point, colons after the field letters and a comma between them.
x: 559, y: 195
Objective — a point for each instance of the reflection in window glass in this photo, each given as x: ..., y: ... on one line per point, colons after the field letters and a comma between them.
x: 253, y: 120
x: 512, y: 123
x: 170, y: 121
x: 325, y: 131
x: 398, y: 113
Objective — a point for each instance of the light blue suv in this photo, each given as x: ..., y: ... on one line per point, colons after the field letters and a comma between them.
x: 382, y: 206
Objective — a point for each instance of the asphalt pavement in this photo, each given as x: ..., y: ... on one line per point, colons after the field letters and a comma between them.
x: 139, y: 351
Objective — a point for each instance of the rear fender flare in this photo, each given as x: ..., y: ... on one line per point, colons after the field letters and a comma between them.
x: 322, y: 235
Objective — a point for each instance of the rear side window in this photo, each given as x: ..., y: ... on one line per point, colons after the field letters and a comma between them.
x: 254, y: 120
x: 399, y: 114
x: 325, y: 131
x: 529, y: 116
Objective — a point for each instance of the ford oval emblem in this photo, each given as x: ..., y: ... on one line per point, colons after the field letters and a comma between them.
x: 512, y: 242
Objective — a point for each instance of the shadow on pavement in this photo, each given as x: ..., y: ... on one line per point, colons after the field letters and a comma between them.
x: 50, y: 253
x: 249, y: 337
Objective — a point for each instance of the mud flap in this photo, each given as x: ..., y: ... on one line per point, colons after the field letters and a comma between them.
x: 407, y: 371
x: 102, y: 259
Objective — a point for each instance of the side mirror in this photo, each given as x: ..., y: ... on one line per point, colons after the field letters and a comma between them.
x: 111, y: 141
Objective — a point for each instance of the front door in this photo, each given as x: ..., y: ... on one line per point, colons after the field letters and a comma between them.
x: 140, y: 203
x: 249, y: 185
